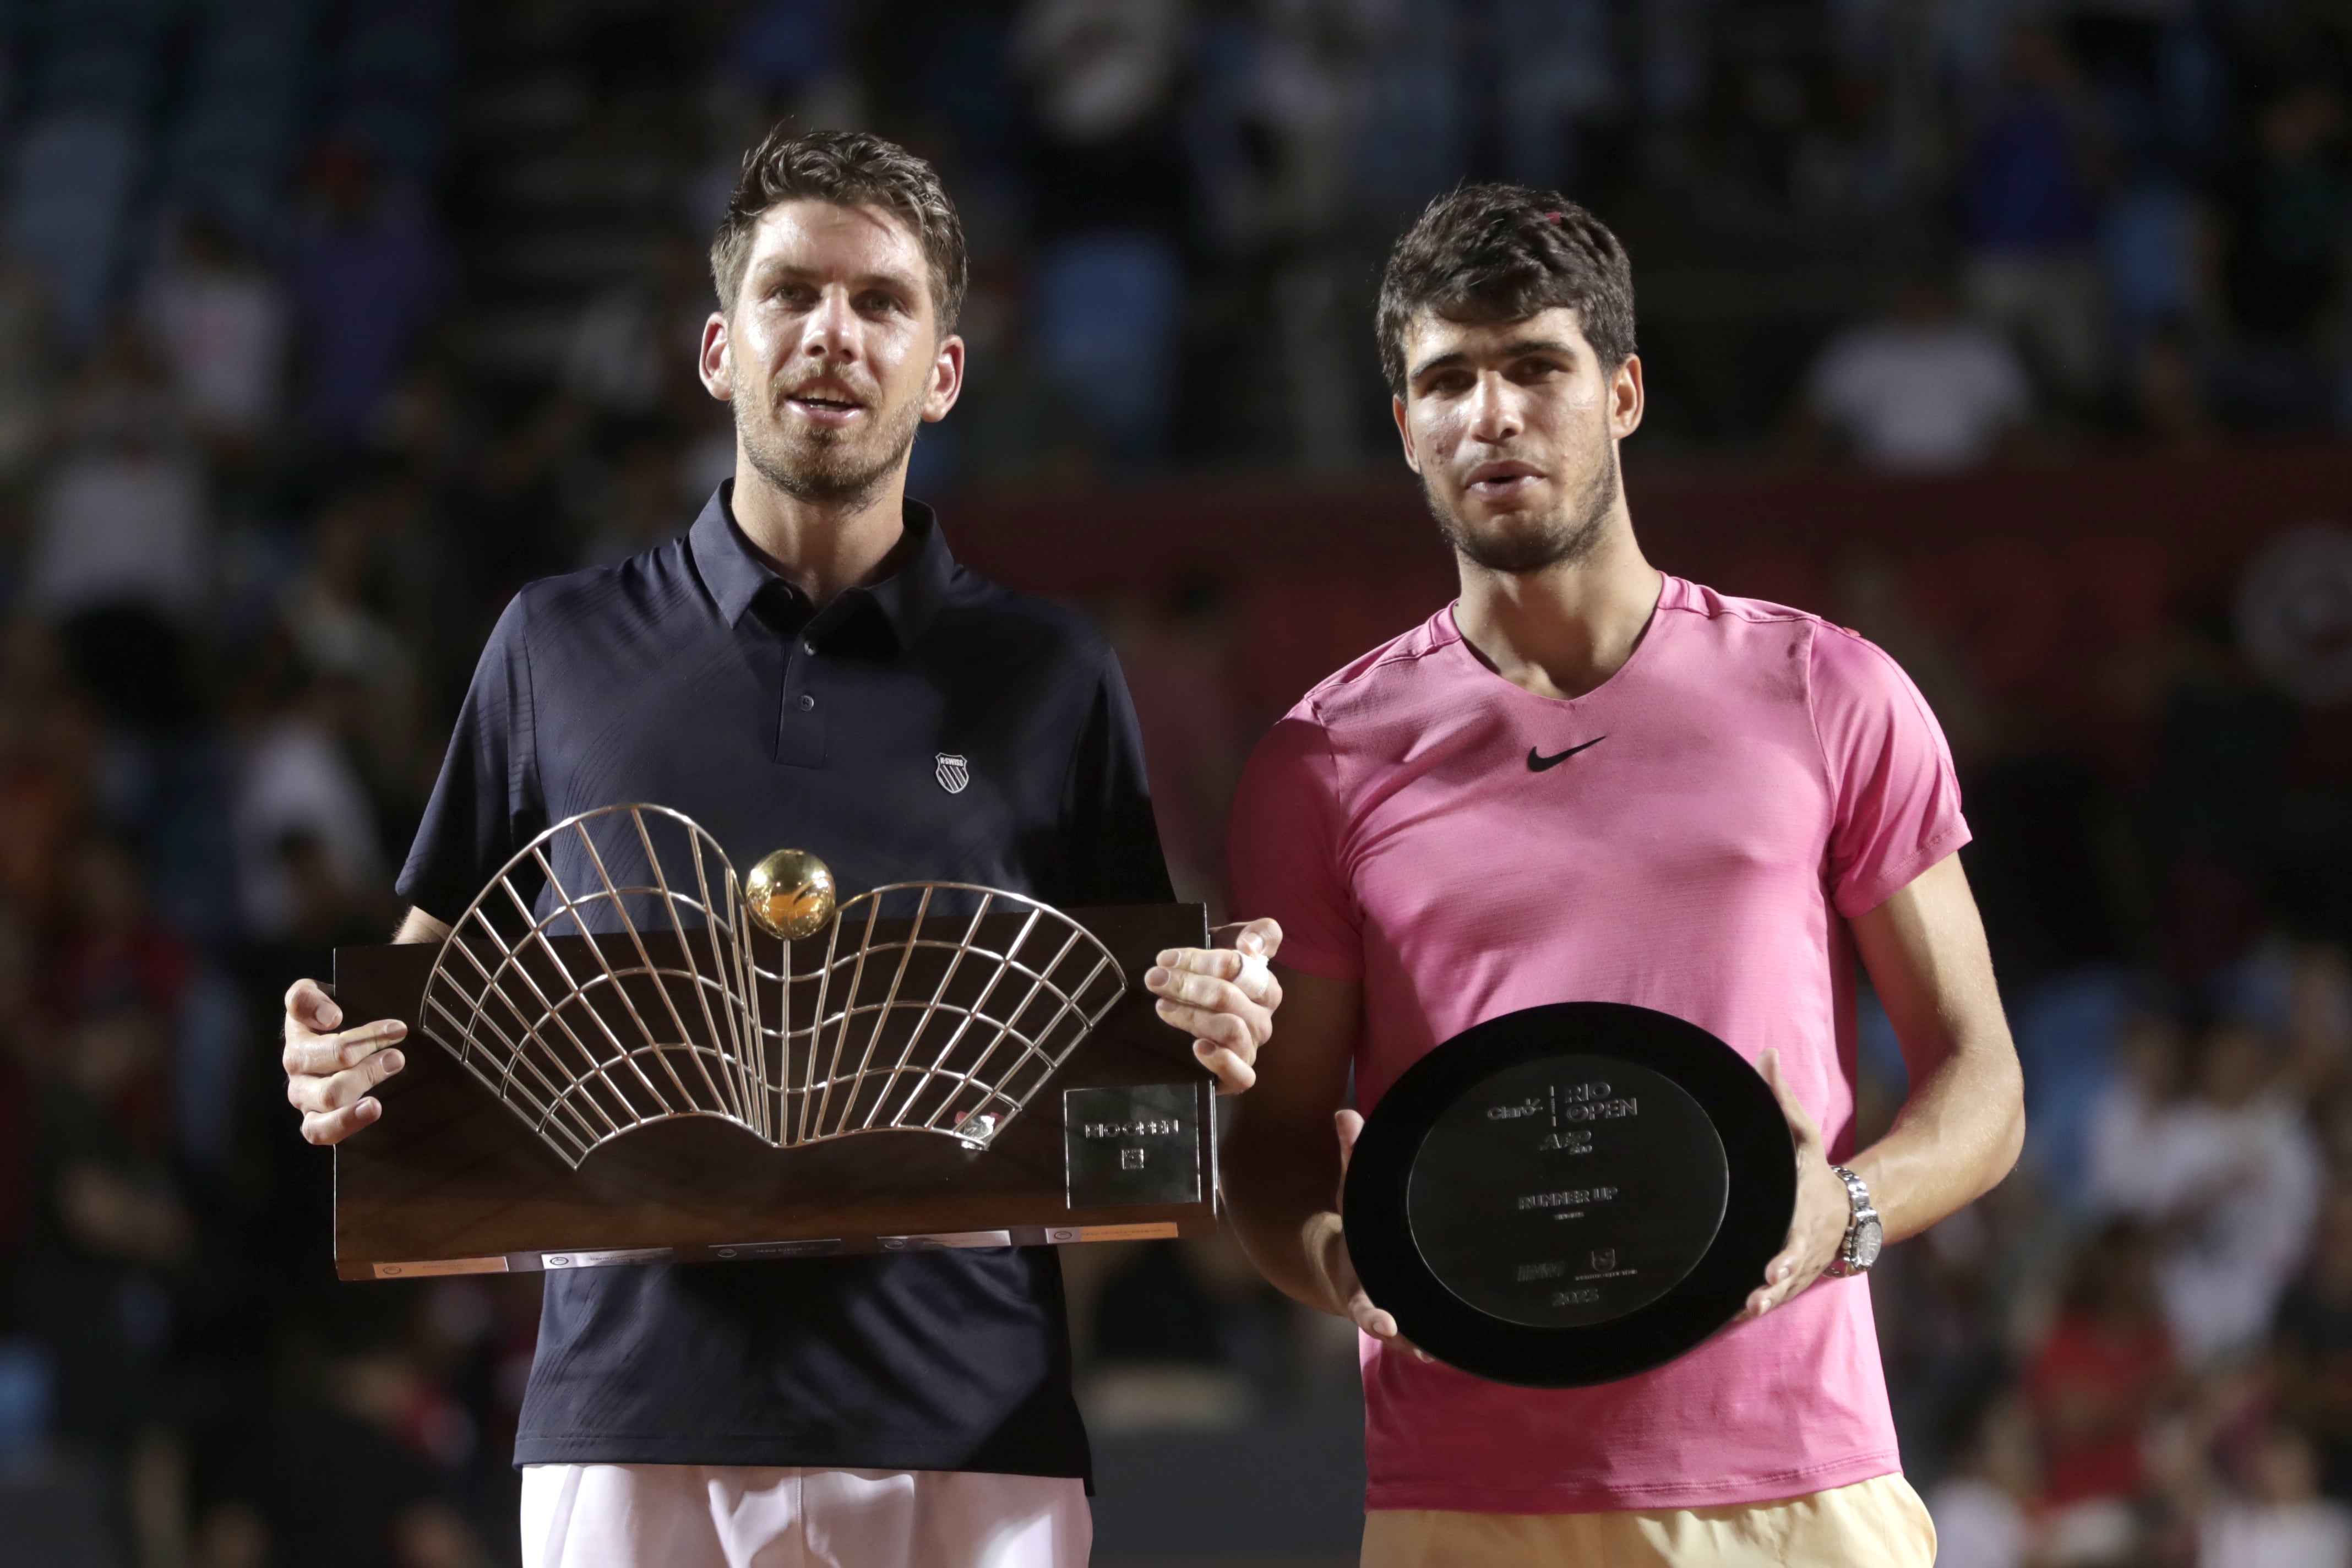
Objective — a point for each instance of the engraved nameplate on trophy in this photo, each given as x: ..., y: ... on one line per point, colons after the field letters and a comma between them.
x: 1145, y: 1145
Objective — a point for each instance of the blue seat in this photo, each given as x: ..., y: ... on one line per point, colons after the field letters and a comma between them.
x: 235, y: 162
x: 231, y: 154
x: 63, y: 24
x: 102, y: 76
x: 75, y: 174
x: 397, y: 54
x: 400, y: 134
x: 1107, y: 311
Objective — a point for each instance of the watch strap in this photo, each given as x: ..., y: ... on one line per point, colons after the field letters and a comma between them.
x: 1844, y: 1265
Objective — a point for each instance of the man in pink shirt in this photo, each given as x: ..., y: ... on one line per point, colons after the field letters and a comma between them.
x: 1585, y: 780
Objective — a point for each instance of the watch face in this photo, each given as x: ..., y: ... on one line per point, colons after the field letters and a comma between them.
x: 1868, y: 1238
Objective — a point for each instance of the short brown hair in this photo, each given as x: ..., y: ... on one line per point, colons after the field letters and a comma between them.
x: 1503, y: 253
x: 851, y: 169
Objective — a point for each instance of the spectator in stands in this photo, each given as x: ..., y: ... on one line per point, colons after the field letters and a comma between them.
x: 1110, y: 199
x: 637, y: 505
x: 1982, y: 1509
x: 2027, y: 214
x: 367, y: 669
x: 297, y: 779
x: 50, y: 744
x: 2237, y: 1199
x: 110, y: 949
x: 110, y: 1227
x: 27, y: 365
x: 2313, y: 1346
x: 369, y: 1417
x: 623, y: 357
x: 2095, y: 1383
x: 2279, y: 1520
x: 1924, y: 389
x: 124, y: 519
x: 2130, y: 1164
x: 368, y: 274
x: 2169, y: 390
x: 2283, y: 212
x: 221, y: 321
x: 2318, y: 1021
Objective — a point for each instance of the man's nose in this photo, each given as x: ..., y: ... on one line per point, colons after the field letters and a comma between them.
x: 1494, y: 414
x: 831, y: 332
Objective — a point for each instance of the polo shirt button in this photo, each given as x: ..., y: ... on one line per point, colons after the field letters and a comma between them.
x: 807, y: 702
x: 809, y: 649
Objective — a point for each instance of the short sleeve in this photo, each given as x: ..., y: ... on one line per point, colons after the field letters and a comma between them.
x: 488, y: 802
x: 1282, y: 852
x: 1895, y: 799
x: 1111, y: 838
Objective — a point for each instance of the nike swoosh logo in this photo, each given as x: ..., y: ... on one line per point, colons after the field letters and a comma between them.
x: 1538, y: 762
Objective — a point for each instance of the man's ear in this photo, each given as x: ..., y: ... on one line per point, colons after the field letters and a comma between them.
x: 946, y: 379
x: 1405, y: 433
x: 1627, y: 398
x: 716, y: 363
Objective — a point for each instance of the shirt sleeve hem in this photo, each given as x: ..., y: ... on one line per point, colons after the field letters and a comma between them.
x: 1859, y: 899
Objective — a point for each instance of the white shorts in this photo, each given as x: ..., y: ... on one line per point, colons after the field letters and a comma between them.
x: 720, y: 1516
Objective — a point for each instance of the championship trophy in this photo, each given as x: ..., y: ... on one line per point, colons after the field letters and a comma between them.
x: 623, y: 1052
x: 1570, y: 1194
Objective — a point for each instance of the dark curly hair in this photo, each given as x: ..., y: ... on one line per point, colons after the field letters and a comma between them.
x: 1502, y: 253
x: 849, y: 168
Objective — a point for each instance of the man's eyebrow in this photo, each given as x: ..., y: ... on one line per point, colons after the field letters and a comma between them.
x: 1519, y: 349
x: 772, y: 271
x: 1441, y: 362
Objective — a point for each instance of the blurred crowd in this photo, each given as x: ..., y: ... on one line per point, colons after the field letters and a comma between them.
x: 325, y: 323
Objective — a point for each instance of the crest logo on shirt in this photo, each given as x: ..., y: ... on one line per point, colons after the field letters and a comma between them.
x: 953, y: 773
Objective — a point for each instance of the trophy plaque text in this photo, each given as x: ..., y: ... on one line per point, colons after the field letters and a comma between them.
x: 1570, y: 1194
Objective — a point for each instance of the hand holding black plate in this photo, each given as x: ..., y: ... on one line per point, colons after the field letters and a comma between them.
x: 1570, y: 1194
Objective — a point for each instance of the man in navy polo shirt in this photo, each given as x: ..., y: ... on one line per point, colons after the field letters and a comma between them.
x: 799, y: 669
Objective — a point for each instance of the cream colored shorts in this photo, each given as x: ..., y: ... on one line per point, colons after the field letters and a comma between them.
x: 1877, y: 1523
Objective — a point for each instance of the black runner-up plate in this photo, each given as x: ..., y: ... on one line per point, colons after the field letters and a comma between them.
x: 1570, y: 1195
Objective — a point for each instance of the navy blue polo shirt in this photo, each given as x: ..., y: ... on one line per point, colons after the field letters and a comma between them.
x: 693, y: 676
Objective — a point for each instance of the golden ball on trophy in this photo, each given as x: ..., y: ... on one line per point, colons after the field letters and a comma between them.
x: 790, y: 894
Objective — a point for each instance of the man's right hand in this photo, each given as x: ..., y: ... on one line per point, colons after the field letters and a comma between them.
x: 1341, y: 1289
x: 329, y: 1069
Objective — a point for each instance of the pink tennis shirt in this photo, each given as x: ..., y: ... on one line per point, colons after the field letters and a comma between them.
x: 1751, y: 779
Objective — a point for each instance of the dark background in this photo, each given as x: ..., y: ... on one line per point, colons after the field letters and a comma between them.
x: 2013, y: 336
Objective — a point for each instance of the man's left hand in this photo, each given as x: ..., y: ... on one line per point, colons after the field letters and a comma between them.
x: 1225, y: 997
x: 1824, y: 1208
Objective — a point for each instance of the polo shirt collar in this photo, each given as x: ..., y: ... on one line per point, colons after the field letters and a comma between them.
x: 735, y: 574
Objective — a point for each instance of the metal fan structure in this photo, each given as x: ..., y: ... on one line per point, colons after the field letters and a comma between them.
x: 609, y: 977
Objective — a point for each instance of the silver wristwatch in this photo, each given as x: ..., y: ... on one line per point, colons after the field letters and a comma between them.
x: 1863, y: 1235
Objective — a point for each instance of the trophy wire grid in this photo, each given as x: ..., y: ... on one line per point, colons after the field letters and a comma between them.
x: 943, y: 1019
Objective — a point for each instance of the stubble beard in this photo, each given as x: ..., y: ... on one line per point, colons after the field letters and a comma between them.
x: 824, y: 465
x: 1567, y: 536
